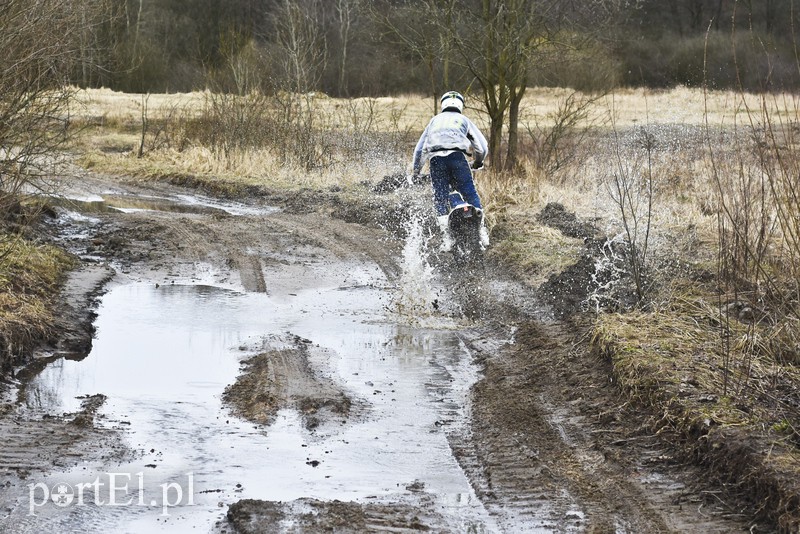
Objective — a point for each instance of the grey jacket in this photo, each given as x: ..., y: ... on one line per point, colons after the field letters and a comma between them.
x: 448, y: 132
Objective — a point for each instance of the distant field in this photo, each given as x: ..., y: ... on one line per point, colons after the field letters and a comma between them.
x: 630, y: 107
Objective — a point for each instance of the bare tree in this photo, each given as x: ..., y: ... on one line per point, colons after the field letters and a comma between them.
x: 496, y: 42
x: 416, y: 27
x: 303, y: 51
x: 39, y: 44
x: 346, y: 12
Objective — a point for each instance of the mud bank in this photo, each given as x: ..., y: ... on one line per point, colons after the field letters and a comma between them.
x: 554, y: 448
x: 730, y: 440
x: 281, y: 379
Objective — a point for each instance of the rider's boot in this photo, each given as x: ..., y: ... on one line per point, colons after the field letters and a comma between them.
x: 483, y: 233
x: 444, y: 226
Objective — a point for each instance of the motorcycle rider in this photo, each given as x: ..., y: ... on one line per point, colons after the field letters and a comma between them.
x: 445, y: 143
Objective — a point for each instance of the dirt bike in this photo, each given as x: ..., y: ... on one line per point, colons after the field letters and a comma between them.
x: 464, y: 219
x: 466, y: 261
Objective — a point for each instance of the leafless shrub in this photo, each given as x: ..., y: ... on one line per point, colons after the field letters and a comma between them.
x: 758, y: 199
x: 235, y: 124
x: 171, y: 128
x: 37, y: 39
x: 759, y: 218
x: 562, y: 138
x: 305, y: 131
x: 298, y: 126
x: 780, y: 163
x: 364, y: 130
x: 399, y: 134
x: 361, y: 123
x: 631, y: 188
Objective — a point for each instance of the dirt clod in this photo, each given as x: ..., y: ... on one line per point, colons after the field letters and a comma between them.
x: 556, y: 216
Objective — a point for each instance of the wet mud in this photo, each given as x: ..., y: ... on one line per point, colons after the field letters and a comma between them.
x: 283, y: 378
x: 310, y: 515
x: 552, y: 448
x: 313, y: 380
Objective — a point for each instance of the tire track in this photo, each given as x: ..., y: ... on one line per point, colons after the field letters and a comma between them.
x: 540, y: 452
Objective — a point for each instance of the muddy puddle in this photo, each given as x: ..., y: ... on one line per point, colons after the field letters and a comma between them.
x: 114, y: 202
x: 163, y: 357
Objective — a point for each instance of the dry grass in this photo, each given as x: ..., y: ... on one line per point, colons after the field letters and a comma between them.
x: 30, y: 276
x: 114, y: 120
x: 534, y: 252
x: 111, y: 134
x: 669, y: 364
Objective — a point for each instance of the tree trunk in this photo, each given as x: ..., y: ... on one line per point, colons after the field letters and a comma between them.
x: 84, y: 47
x: 136, y: 34
x: 495, y: 137
x: 513, y: 128
x: 446, y: 63
x: 433, y: 85
x: 494, y: 89
x: 344, y: 9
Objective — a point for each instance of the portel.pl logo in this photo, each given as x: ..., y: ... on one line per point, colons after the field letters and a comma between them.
x: 112, y: 489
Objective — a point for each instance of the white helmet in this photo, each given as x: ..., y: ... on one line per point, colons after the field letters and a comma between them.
x: 453, y: 99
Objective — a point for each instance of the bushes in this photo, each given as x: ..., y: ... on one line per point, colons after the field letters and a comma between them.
x: 37, y: 38
x: 255, y: 137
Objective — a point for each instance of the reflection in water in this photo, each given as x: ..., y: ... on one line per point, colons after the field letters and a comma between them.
x: 151, y: 341
x: 179, y: 204
x: 163, y: 356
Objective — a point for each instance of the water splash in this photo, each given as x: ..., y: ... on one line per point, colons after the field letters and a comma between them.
x: 608, y: 272
x: 417, y: 298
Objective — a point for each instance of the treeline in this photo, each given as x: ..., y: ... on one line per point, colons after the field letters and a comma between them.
x: 378, y: 47
x: 747, y: 44
x: 334, y: 46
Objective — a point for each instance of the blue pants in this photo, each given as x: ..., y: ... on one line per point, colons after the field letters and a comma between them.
x: 452, y: 169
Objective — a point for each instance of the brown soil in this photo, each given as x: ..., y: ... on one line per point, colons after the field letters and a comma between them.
x: 551, y: 435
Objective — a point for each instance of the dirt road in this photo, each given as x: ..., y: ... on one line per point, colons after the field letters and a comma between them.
x: 300, y: 364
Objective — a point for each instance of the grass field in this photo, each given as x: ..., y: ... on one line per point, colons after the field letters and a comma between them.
x: 30, y: 278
